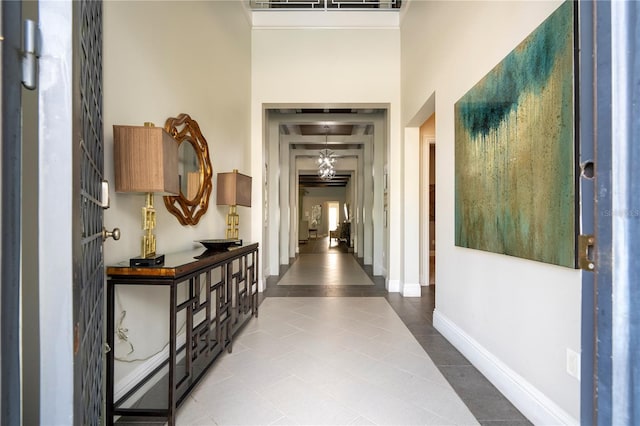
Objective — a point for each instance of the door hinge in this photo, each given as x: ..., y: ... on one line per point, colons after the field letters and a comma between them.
x: 585, y: 252
x: 31, y: 43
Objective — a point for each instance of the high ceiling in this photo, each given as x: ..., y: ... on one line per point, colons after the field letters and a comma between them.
x: 325, y: 4
x: 317, y: 128
x: 327, y: 127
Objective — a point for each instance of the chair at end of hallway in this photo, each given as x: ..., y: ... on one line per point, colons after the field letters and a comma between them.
x: 335, y: 234
x: 303, y: 231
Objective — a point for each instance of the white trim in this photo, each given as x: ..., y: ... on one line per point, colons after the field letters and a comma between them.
x: 393, y: 286
x: 260, y: 285
x: 411, y: 290
x: 55, y: 213
x: 534, y: 404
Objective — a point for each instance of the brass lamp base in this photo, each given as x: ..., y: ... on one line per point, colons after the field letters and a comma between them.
x: 233, y: 222
x: 148, y: 256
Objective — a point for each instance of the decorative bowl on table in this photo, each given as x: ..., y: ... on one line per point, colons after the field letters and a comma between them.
x: 220, y: 245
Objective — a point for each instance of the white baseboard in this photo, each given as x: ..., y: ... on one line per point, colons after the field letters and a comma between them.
x: 125, y: 384
x: 393, y: 286
x: 411, y: 290
x: 535, y: 405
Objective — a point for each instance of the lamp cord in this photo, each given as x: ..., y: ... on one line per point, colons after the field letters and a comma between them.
x: 121, y: 332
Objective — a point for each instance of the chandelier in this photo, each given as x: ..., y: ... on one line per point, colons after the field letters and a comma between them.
x: 326, y: 160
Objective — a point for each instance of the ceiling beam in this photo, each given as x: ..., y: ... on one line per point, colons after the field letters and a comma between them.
x: 313, y: 181
x: 321, y: 119
x: 331, y: 139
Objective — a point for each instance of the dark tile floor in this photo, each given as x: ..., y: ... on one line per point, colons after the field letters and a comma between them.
x: 321, y: 245
x: 486, y: 403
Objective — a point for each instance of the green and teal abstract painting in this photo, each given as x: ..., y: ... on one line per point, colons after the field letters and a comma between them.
x: 515, y: 151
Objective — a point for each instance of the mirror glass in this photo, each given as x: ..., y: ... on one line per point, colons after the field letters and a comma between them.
x: 188, y: 170
x: 194, y: 168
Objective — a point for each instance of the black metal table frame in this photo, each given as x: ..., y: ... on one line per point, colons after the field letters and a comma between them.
x: 236, y: 300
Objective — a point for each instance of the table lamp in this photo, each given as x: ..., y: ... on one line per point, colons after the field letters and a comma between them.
x: 146, y: 161
x: 234, y: 189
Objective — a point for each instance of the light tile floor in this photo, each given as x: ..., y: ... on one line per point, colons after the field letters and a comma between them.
x: 304, y: 364
x: 330, y: 360
x: 486, y: 403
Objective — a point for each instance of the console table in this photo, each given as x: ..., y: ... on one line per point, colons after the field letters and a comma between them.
x: 214, y: 293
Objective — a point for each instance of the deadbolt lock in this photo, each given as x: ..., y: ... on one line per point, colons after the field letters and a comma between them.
x: 586, y: 244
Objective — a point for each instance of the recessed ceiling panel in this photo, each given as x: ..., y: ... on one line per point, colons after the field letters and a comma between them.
x: 313, y: 181
x: 319, y: 146
x: 326, y: 111
x: 319, y: 129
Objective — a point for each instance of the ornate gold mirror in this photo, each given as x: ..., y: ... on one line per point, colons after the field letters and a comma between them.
x: 194, y: 169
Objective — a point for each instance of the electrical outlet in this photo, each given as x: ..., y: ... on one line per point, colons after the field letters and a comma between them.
x: 573, y: 363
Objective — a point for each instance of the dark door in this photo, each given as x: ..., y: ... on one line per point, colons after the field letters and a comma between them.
x: 71, y: 167
x: 88, y: 292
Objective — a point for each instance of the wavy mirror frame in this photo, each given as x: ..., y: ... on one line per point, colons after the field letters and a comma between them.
x: 184, y: 129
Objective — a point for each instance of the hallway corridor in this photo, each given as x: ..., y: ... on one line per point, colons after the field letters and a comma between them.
x: 344, y: 355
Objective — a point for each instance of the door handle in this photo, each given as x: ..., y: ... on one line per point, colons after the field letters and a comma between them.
x: 115, y: 234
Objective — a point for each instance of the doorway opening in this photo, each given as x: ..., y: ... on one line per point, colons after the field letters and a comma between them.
x: 428, y: 202
x: 333, y: 207
x: 295, y: 134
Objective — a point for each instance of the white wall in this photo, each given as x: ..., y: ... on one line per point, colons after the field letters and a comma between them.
x: 162, y: 59
x: 512, y: 317
x: 327, y: 66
